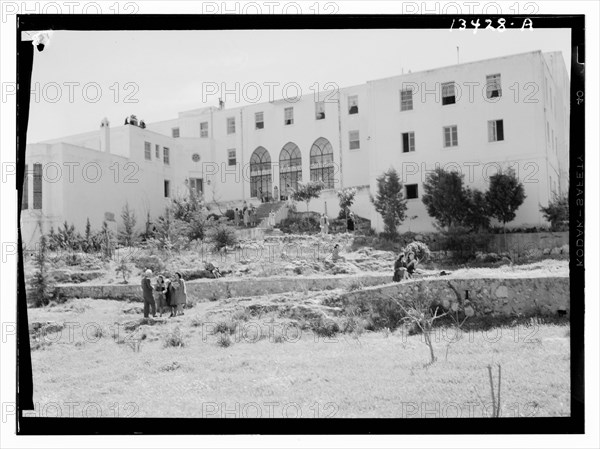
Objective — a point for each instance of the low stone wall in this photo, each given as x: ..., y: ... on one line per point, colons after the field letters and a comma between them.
x: 211, y: 289
x: 532, y: 296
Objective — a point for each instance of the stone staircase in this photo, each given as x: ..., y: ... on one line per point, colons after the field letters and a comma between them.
x: 263, y: 211
x: 262, y: 216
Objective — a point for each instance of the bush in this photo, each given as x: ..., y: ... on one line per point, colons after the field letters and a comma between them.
x: 225, y: 327
x: 153, y: 263
x: 299, y: 224
x: 324, y: 327
x: 224, y: 340
x: 222, y: 236
x: 463, y: 244
x: 174, y: 339
x: 557, y: 213
x: 230, y: 214
x: 419, y: 249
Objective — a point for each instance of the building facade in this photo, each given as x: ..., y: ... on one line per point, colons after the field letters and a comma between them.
x: 476, y: 118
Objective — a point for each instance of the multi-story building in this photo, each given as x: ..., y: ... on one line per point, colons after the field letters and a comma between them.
x: 476, y: 117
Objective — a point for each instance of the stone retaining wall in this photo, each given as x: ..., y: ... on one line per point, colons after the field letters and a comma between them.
x: 211, y: 289
x: 533, y: 296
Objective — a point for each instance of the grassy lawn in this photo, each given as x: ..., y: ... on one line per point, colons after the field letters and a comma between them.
x: 290, y: 372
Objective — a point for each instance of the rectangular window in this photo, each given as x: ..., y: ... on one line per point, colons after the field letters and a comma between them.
x: 406, y: 100
x: 175, y: 132
x: 408, y: 142
x: 157, y: 151
x: 166, y: 155
x: 37, y: 186
x: 25, y: 203
x: 412, y: 191
x: 259, y: 120
x: 353, y: 104
x: 493, y: 86
x: 495, y: 130
x: 167, y: 188
x: 450, y: 136
x: 448, y: 94
x: 231, y: 160
x: 147, y: 151
x: 231, y: 125
x: 319, y: 110
x: 288, y: 116
x: 204, y: 129
x: 196, y: 186
x: 354, y: 140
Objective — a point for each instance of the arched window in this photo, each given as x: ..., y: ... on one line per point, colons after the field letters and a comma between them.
x: 260, y: 174
x: 290, y: 169
x: 321, y: 162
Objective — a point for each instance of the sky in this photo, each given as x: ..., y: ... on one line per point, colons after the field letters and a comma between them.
x: 82, y: 77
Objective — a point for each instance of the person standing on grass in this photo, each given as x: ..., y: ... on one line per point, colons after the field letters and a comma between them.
x: 351, y: 222
x: 161, y: 302
x: 246, y: 217
x: 236, y: 217
x: 179, y: 297
x: 149, y: 304
x: 324, y: 222
x: 253, y: 216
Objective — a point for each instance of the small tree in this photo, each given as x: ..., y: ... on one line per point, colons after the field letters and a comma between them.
x: 88, y: 239
x: 389, y: 201
x: 477, y: 214
x: 346, y: 197
x: 124, y: 269
x: 41, y: 284
x: 504, y: 196
x: 127, y: 235
x: 306, y: 192
x: 445, y: 197
x: 106, y: 241
x: 557, y: 212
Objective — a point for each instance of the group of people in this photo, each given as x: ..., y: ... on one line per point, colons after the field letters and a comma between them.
x: 324, y: 223
x: 405, y: 266
x: 166, y: 295
x: 245, y: 216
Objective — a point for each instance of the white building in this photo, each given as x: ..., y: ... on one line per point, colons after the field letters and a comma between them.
x: 473, y: 117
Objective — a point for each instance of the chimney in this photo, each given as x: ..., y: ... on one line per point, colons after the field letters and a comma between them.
x: 105, y: 135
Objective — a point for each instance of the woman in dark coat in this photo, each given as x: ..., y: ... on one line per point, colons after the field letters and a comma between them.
x: 399, y: 268
x: 350, y: 222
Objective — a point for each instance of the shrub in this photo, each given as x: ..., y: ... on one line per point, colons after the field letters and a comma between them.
x: 324, y: 327
x: 230, y: 214
x: 174, y: 339
x: 223, y: 236
x: 419, y: 249
x: 557, y: 213
x: 224, y: 340
x: 298, y: 224
x: 225, y: 327
x: 153, y: 263
x: 464, y: 244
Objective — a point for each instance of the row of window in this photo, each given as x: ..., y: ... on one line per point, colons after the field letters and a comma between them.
x: 493, y: 90
x: 450, y: 135
x: 148, y: 152
x: 288, y: 117
x: 37, y: 187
